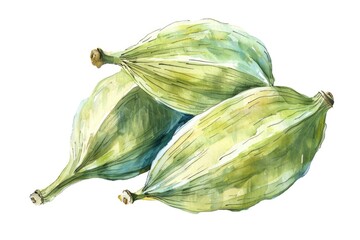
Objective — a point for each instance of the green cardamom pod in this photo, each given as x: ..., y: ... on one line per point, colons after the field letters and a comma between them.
x: 191, y: 66
x: 248, y: 148
x: 117, y: 132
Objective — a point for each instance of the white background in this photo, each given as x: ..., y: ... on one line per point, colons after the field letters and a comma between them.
x: 45, y: 71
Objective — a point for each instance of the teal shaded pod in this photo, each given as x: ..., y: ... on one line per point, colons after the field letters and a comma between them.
x: 116, y: 134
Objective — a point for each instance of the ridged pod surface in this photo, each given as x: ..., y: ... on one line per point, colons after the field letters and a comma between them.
x: 246, y: 149
x: 192, y: 65
x: 117, y: 132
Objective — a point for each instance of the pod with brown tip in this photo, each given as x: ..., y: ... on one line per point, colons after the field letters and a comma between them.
x: 191, y: 66
x: 246, y: 149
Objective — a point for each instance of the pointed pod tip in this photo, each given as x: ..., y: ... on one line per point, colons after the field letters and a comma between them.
x: 37, y: 198
x: 126, y: 197
x: 96, y: 58
x: 329, y: 98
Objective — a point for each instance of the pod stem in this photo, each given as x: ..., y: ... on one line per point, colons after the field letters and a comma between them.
x: 99, y: 57
x: 329, y: 98
x: 128, y: 197
x: 37, y: 198
x: 50, y: 192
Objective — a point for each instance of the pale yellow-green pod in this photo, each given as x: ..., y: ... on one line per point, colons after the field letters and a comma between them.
x: 191, y: 66
x: 246, y: 149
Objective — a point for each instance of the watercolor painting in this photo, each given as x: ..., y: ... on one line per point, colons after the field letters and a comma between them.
x: 183, y: 120
x: 196, y: 104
